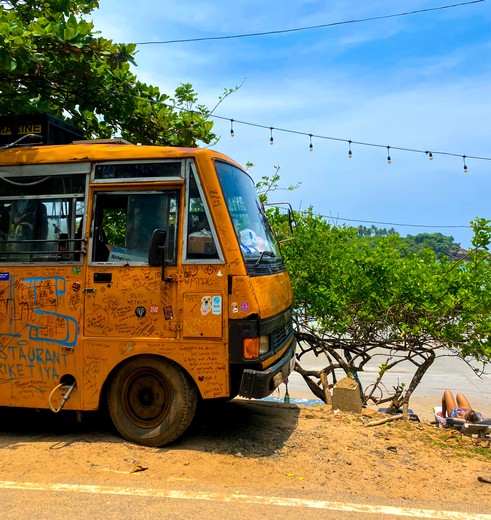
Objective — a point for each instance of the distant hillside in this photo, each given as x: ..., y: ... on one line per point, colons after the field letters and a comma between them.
x: 442, y: 245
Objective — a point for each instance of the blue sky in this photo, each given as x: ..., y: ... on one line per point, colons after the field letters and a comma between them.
x: 421, y: 82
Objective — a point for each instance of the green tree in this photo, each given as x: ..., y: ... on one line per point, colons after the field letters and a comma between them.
x: 51, y: 60
x: 360, y: 301
x: 374, y: 231
x: 442, y: 245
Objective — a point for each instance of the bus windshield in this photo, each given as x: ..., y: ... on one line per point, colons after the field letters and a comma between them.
x: 257, y: 243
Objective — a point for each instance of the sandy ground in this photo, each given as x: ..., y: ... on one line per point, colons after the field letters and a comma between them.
x: 272, y: 448
x: 245, y: 446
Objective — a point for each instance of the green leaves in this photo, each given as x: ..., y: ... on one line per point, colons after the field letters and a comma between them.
x: 360, y: 295
x: 376, y: 291
x: 52, y: 61
x: 482, y: 233
x: 7, y: 63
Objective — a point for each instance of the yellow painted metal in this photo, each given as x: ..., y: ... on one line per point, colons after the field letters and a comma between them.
x: 40, y: 312
x: 58, y: 324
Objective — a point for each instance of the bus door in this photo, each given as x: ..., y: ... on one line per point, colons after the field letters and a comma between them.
x: 203, y: 288
x: 125, y: 298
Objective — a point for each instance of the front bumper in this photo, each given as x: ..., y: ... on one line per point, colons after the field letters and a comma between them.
x: 256, y: 384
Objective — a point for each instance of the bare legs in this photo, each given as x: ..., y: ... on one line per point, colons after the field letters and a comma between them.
x: 449, y: 404
x: 462, y: 401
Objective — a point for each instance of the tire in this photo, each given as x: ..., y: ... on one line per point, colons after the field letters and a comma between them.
x: 151, y: 401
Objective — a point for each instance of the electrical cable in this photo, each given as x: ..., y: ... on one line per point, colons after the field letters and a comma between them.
x: 311, y: 27
x: 392, y: 223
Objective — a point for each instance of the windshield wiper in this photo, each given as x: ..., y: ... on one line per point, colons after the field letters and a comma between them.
x: 262, y: 255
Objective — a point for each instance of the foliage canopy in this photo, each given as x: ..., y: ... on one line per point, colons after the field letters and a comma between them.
x: 360, y: 298
x: 51, y: 60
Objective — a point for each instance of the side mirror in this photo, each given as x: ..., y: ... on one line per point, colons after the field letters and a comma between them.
x: 291, y: 220
x: 156, y: 252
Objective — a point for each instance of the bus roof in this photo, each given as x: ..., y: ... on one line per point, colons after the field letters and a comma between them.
x: 85, y: 151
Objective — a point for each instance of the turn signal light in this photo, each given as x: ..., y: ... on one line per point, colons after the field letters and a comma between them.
x: 251, y: 348
x: 255, y: 347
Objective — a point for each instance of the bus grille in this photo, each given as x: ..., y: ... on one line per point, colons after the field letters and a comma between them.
x: 281, y: 335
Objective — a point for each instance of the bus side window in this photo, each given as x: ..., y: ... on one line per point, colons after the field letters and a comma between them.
x: 39, y: 216
x: 4, y: 221
x: 123, y: 225
x: 30, y: 218
x: 200, y: 240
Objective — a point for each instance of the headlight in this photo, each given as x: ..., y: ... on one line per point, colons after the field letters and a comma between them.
x: 263, y: 344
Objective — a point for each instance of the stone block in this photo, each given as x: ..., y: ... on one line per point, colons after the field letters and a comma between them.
x: 346, y: 396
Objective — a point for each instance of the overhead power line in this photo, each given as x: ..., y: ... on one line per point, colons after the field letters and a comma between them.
x: 337, y: 218
x: 312, y: 27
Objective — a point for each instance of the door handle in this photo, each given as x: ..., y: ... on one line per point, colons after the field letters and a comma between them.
x: 90, y: 290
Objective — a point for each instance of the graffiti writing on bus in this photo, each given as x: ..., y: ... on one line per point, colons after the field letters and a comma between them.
x: 29, y: 309
x: 19, y: 361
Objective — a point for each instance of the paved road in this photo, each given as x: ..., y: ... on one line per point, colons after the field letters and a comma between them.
x: 21, y: 500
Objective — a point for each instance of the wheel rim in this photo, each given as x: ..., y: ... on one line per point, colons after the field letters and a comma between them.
x: 146, y: 397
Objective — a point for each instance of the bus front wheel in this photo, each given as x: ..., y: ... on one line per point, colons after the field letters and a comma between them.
x: 151, y: 401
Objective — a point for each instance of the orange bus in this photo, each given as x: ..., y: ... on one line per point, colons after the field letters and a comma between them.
x: 143, y: 278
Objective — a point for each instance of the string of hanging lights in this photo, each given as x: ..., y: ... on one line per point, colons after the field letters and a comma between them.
x: 429, y: 153
x: 350, y: 142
